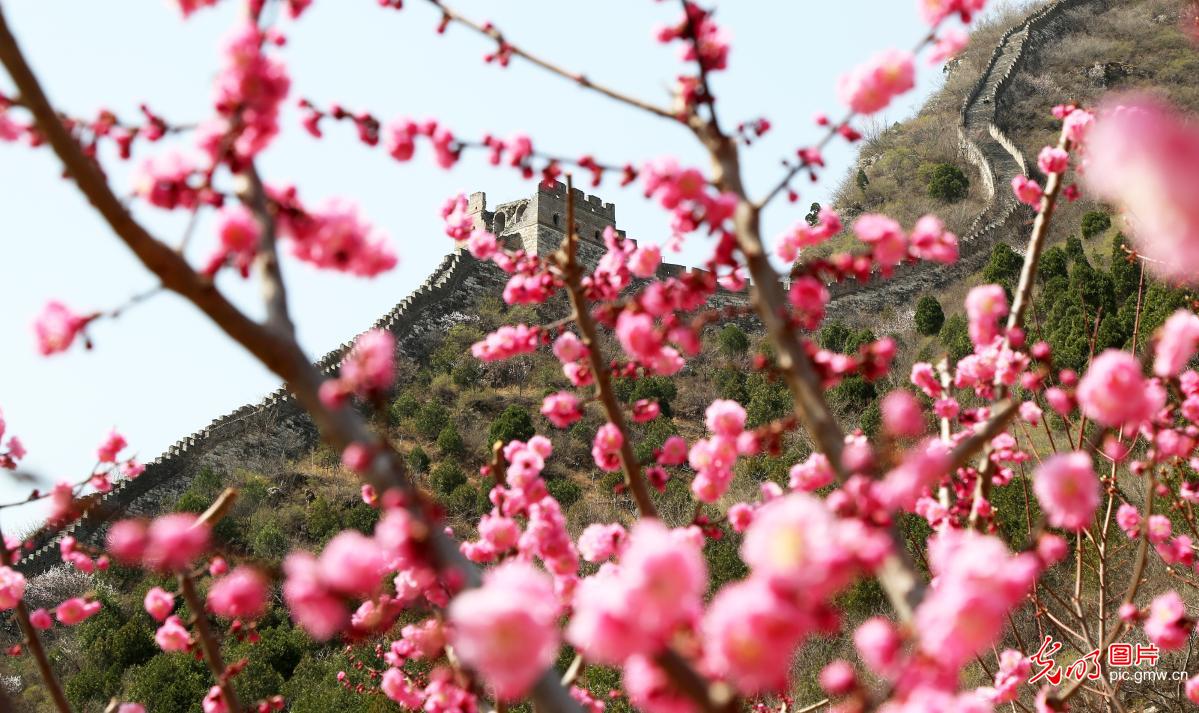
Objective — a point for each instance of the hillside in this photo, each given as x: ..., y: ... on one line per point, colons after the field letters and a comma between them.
x: 449, y: 407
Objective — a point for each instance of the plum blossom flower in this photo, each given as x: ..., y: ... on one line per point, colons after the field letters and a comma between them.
x: 985, y: 304
x: 1167, y: 624
x: 238, y: 234
x: 934, y: 11
x: 632, y: 609
x: 1053, y: 160
x: 75, y: 610
x: 506, y: 342
x: 175, y: 541
x: 813, y: 474
x: 159, y: 603
x: 977, y: 581
x: 883, y: 235
x: 645, y: 260
x: 568, y: 347
x: 1114, y: 392
x: 871, y: 86
x: 1176, y: 343
x: 798, y: 545
x: 126, y: 540
x: 12, y: 587
x: 1129, y: 519
x: 239, y: 595
x: 1027, y: 191
x: 173, y: 635
x: 368, y: 370
x: 112, y: 445
x: 56, y: 328
x: 507, y: 628
x: 606, y: 448
x: 41, y: 619
x: 561, y: 409
x: 1140, y: 154
x: 750, y: 634
x: 931, y: 241
x: 600, y: 542
x: 902, y: 415
x: 950, y: 42
x: 1067, y: 490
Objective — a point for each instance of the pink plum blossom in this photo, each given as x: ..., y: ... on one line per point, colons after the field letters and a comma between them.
x: 507, y: 628
x: 173, y: 635
x: 1176, y: 343
x: 56, y: 328
x: 871, y: 86
x: 1067, y: 490
x: 1114, y: 392
x: 159, y: 603
x: 1141, y: 155
x: 239, y: 595
x: 75, y: 610
x: 1027, y: 191
x: 12, y: 587
x: 175, y: 541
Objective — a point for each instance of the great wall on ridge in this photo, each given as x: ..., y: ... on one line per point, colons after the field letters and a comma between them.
x: 277, y: 426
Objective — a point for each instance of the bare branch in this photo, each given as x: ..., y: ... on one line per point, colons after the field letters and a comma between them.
x: 488, y: 30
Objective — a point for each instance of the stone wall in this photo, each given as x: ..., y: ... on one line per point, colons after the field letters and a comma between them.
x: 985, y: 145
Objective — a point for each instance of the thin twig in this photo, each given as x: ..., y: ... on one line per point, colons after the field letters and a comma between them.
x: 491, y: 32
x: 572, y: 274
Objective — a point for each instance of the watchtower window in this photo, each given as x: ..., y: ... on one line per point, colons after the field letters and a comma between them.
x: 498, y: 223
x: 597, y: 235
x: 555, y: 220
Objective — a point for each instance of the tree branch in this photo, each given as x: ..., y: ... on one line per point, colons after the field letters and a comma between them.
x: 491, y: 32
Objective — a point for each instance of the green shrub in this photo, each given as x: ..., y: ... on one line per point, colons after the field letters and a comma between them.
x: 724, y: 562
x: 192, y: 501
x: 947, y: 183
x: 813, y: 215
x: 1053, y: 264
x: 430, y: 419
x: 565, y: 491
x: 466, y: 372
x: 1003, y: 267
x: 269, y: 541
x: 656, y: 388
x: 404, y: 407
x: 929, y: 315
x: 768, y: 400
x: 857, y: 339
x: 833, y: 335
x: 169, y: 682
x: 418, y: 460
x: 321, y: 519
x: 466, y: 501
x: 853, y: 394
x: 732, y: 340
x: 861, y: 180
x: 360, y: 517
x: 1095, y: 222
x: 445, y: 477
x: 955, y: 337
x: 449, y: 442
x: 730, y: 384
x: 513, y: 424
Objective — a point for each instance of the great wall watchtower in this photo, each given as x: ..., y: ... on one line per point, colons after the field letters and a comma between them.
x: 538, y: 223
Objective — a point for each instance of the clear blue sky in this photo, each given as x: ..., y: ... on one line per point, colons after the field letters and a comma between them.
x: 162, y: 370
